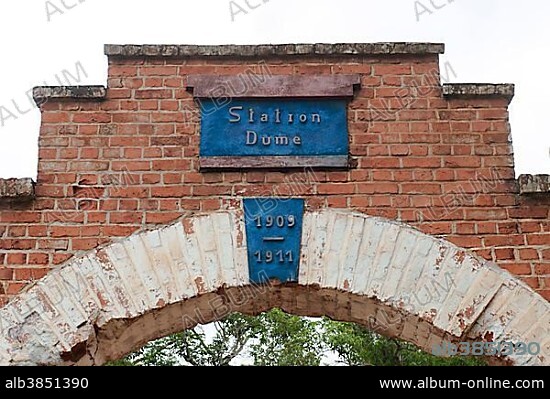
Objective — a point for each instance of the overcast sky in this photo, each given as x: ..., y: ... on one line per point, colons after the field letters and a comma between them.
x: 502, y: 41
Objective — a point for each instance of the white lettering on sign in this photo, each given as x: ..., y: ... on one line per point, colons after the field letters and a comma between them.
x: 271, y: 222
x: 253, y: 138
x: 278, y: 116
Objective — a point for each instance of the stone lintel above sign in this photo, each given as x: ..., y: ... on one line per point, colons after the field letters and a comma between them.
x: 261, y: 86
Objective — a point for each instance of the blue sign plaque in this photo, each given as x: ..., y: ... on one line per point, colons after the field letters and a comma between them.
x: 274, y: 234
x: 274, y: 132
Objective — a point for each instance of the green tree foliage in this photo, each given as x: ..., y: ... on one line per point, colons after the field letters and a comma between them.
x: 191, y: 347
x: 286, y: 340
x: 232, y: 335
x: 357, y: 346
x: 275, y: 338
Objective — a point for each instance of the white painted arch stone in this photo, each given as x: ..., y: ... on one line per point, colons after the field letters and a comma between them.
x: 372, y: 271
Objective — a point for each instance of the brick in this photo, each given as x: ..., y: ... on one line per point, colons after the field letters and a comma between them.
x: 491, y: 138
x: 376, y: 188
x: 444, y: 175
x: 176, y: 191
x: 126, y: 217
x: 423, y: 175
x: 384, y: 175
x: 55, y: 117
x: 131, y: 166
x: 251, y: 177
x: 532, y: 282
x: 84, y: 244
x: 152, y: 178
x: 508, y: 228
x: 153, y: 94
x: 486, y: 228
x: 158, y: 70
x: 528, y: 254
x: 122, y: 71
x: 19, y: 217
x: 421, y: 188
x: 129, y: 192
x: 15, y: 288
x: 6, y: 274
x: 53, y: 244
x: 89, y: 153
x: 132, y: 83
x: 384, y: 70
x: 88, y: 166
x: 400, y: 201
x: 374, y: 201
x: 38, y: 259
x: 529, y: 212
x: 14, y: 244
x: 28, y: 274
x: 461, y: 162
x: 118, y: 231
x: 466, y: 241
x: 60, y: 258
x: 380, y: 163
x: 399, y: 150
x: 149, y: 105
x: 132, y: 117
x: 420, y: 201
x: 64, y: 231
x: 484, y: 253
x: 47, y: 190
x: 538, y: 239
x: 504, y: 253
x: 378, y: 150
x: 162, y: 217
x: 491, y: 241
x: 543, y: 268
x: 334, y: 188
x: 170, y: 140
x: 519, y: 269
x: 263, y: 190
x: 17, y: 258
x: 486, y: 214
x: 172, y: 178
x: 210, y: 205
x: 425, y: 162
x: 438, y: 228
x: 92, y: 118
x: 152, y: 82
x: 492, y: 113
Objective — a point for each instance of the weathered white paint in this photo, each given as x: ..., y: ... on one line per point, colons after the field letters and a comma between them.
x: 353, y: 267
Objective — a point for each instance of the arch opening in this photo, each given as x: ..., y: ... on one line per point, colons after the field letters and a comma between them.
x: 123, y: 337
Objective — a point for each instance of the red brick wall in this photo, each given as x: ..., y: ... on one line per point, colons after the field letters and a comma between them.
x: 107, y: 168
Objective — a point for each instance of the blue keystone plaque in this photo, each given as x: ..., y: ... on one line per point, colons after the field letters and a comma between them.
x: 274, y: 234
x: 274, y: 132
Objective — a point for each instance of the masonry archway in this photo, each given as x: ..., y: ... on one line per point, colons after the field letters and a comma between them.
x: 376, y: 272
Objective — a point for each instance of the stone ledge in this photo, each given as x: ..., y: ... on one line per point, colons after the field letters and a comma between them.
x: 41, y: 94
x: 272, y: 50
x: 279, y: 86
x: 16, y: 189
x: 479, y: 89
x: 534, y: 184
